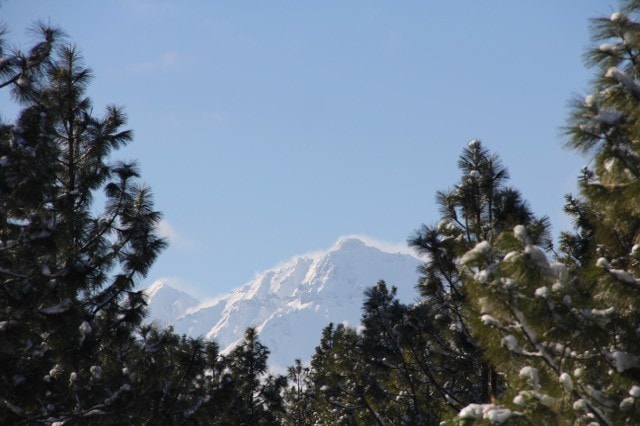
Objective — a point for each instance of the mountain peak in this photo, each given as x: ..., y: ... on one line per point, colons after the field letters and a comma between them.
x: 295, y: 300
x: 154, y: 288
x: 167, y: 303
x: 349, y: 243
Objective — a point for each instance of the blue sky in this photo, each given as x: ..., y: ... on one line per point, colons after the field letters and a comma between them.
x: 268, y: 129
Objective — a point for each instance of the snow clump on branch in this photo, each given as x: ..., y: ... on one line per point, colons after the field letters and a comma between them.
x: 482, y: 249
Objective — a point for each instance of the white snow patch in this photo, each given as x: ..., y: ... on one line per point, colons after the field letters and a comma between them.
x: 511, y: 343
x: 622, y: 78
x: 96, y: 372
x: 579, y: 405
x: 590, y: 100
x: 623, y: 276
x: 566, y: 381
x: 538, y: 256
x: 627, y: 403
x: 602, y: 263
x: 531, y: 374
x: 472, y: 411
x: 520, y: 232
x: 483, y: 248
x: 519, y: 400
x: 542, y: 292
x: 482, y: 276
x: 55, y: 371
x: 508, y: 283
x: 496, y: 415
x: 85, y: 328
x: 617, y: 17
x: 57, y: 309
x: 609, y: 164
x: 489, y: 320
x: 624, y: 361
x: 603, y: 312
x: 609, y: 48
x: 512, y: 255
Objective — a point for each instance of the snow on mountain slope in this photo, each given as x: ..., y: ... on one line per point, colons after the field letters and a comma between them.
x: 290, y: 304
x: 165, y: 303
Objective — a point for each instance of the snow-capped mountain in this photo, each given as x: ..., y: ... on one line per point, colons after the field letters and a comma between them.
x: 290, y: 304
x: 166, y: 303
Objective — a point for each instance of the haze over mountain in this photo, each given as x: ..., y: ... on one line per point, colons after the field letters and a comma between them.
x: 290, y: 304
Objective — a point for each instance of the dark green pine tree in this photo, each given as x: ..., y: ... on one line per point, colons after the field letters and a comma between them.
x: 298, y: 396
x: 177, y: 380
x: 67, y: 273
x: 321, y: 377
x: 391, y: 344
x: 257, y: 395
x: 474, y: 213
x: 343, y: 388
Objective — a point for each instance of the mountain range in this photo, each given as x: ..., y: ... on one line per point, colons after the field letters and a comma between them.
x: 291, y: 303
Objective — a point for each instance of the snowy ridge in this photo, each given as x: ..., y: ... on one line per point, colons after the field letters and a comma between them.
x: 290, y: 304
x: 166, y: 303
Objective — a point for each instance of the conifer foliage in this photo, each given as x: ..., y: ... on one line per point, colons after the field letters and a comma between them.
x: 474, y: 213
x: 567, y: 332
x: 74, y: 348
x: 258, y: 395
x: 68, y: 274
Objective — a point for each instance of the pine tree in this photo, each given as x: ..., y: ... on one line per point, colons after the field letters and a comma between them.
x: 568, y: 332
x: 391, y: 343
x: 257, y: 394
x: 344, y: 390
x: 474, y: 213
x: 67, y: 274
x: 298, y: 397
x: 176, y: 380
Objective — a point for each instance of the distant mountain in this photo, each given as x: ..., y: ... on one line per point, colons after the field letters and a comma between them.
x: 166, y: 303
x: 290, y: 304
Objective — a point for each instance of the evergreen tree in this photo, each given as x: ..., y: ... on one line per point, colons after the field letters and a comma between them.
x: 298, y: 397
x: 67, y: 274
x: 257, y: 394
x: 568, y: 332
x: 344, y: 390
x: 391, y: 342
x: 177, y: 380
x: 474, y: 213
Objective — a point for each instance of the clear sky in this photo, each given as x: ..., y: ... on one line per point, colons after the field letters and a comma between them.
x: 271, y: 128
